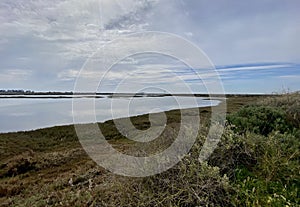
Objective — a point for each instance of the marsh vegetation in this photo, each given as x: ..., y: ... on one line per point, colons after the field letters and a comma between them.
x: 255, y: 164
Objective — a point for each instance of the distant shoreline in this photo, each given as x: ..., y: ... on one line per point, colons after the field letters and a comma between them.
x: 67, y: 95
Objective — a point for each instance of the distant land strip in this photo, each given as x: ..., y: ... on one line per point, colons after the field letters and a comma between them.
x: 55, y: 94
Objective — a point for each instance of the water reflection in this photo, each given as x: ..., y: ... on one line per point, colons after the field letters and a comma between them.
x: 18, y: 114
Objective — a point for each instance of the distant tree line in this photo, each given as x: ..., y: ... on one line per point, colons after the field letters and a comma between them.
x: 29, y: 92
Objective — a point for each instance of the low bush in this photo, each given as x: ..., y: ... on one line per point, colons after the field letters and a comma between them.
x: 289, y: 102
x: 263, y: 170
x: 260, y: 119
x: 187, y: 184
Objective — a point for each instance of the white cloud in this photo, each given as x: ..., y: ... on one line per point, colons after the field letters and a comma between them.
x: 68, y: 75
x: 290, y: 77
x: 56, y: 37
x: 77, y: 27
x: 9, y: 75
x: 259, y: 67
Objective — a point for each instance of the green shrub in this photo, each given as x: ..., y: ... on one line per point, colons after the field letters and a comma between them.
x: 236, y: 150
x: 263, y: 170
x: 289, y: 103
x: 275, y: 179
x: 260, y: 120
x: 252, y: 191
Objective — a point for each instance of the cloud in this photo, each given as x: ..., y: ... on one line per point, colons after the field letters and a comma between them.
x: 231, y: 68
x: 54, y: 38
x: 238, y: 32
x: 77, y: 27
x: 131, y: 17
x: 296, y: 77
x: 68, y: 75
x: 9, y: 75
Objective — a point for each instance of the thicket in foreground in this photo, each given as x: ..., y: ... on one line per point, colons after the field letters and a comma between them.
x: 260, y: 153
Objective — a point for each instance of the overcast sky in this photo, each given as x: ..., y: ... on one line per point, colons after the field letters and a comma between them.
x: 254, y: 45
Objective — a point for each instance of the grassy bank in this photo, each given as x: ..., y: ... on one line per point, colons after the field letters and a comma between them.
x: 256, y: 163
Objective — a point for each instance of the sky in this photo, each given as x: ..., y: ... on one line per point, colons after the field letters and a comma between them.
x: 253, y: 45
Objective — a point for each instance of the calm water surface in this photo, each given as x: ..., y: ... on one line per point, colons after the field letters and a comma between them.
x: 19, y: 114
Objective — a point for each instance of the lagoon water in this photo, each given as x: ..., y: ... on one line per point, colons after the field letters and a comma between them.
x: 22, y: 114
